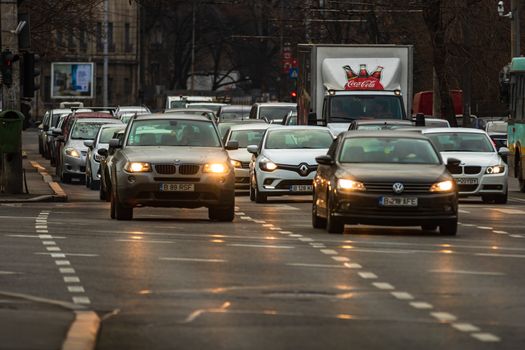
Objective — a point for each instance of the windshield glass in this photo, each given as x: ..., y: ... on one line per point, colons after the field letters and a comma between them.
x: 171, y: 132
x: 350, y: 107
x: 294, y: 139
x: 388, y: 150
x: 497, y: 127
x: 461, y: 142
x: 275, y: 112
x: 55, y: 119
x: 437, y: 123
x: 85, y: 130
x: 233, y: 115
x: 107, y: 134
x: 214, y: 108
x: 247, y: 137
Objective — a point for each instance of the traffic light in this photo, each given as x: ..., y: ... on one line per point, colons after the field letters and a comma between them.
x: 6, y: 61
x: 30, y: 72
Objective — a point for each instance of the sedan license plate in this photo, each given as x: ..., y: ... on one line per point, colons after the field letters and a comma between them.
x: 467, y: 181
x: 177, y: 187
x: 301, y: 188
x: 398, y: 201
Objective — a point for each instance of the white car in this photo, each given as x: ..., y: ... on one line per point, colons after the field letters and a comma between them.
x: 482, y: 171
x: 245, y: 135
x: 284, y: 162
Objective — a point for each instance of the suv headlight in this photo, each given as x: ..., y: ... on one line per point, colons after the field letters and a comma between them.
x: 350, y: 185
x: 216, y: 168
x: 70, y: 151
x: 495, y: 169
x: 267, y: 165
x: 137, y: 167
x: 443, y: 186
x: 236, y: 163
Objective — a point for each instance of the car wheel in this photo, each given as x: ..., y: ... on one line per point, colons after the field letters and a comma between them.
x: 429, y: 227
x: 252, y: 192
x: 259, y: 197
x: 487, y: 199
x: 121, y: 212
x: 87, y: 181
x: 333, y: 223
x: 317, y: 222
x: 65, y: 178
x: 224, y: 214
x: 501, y: 198
x: 40, y: 147
x: 112, y: 207
x: 102, y: 194
x: 449, y: 228
x: 520, y: 177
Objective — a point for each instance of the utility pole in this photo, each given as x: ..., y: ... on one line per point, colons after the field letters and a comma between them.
x: 105, y: 71
x: 193, y: 47
x: 515, y: 27
x: 9, y: 39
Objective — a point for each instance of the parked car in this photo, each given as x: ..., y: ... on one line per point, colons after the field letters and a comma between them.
x: 101, y: 140
x: 284, y: 161
x: 482, y: 171
x: 272, y: 112
x: 245, y: 135
x: 384, y: 178
x: 50, y: 120
x: 168, y: 161
x: 233, y: 112
x: 106, y: 161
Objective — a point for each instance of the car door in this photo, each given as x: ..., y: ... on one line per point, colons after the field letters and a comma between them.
x: 324, y: 176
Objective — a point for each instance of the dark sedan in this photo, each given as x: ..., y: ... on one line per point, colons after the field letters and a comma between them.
x: 389, y: 178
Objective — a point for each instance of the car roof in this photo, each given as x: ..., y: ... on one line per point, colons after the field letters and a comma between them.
x: 182, y: 110
x: 252, y: 126
x: 93, y: 115
x: 113, y: 125
x: 384, y: 121
x: 156, y: 116
x: 240, y: 108
x: 61, y: 111
x: 449, y: 130
x: 386, y: 133
x: 297, y: 127
x: 276, y: 104
x: 108, y: 120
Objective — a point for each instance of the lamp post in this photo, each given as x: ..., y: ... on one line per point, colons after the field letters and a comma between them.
x: 514, y: 16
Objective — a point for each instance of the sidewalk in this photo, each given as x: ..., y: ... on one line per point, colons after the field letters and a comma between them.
x: 40, y: 184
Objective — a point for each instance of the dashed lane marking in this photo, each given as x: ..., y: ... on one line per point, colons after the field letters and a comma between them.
x: 328, y: 251
x: 465, y: 327
x: 486, y: 337
x: 71, y: 279
x: 509, y: 211
x: 305, y: 239
x: 443, y: 316
x: 501, y: 255
x: 516, y: 236
x: 260, y: 246
x: 66, y: 270
x: 367, y: 275
x: 465, y: 272
x: 421, y: 305
x: 402, y: 295
x: 485, y: 227
x: 340, y: 258
x: 76, y: 289
x: 316, y: 265
x: 501, y: 232
x: 353, y: 265
x: 383, y: 285
x: 193, y: 260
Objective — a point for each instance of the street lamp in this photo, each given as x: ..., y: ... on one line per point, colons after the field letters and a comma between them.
x: 514, y: 16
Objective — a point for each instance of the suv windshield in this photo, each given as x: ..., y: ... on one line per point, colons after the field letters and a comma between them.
x: 461, y: 142
x: 350, y: 107
x: 171, y: 132
x: 294, y: 139
x: 85, y: 130
x: 388, y: 150
x: 275, y: 112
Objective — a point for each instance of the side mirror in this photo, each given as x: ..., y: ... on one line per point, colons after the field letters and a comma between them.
x: 325, y: 160
x: 89, y: 143
x: 60, y: 138
x: 103, y: 152
x: 253, y: 149
x: 232, y: 145
x: 453, y: 164
x: 503, y: 151
x: 114, y: 143
x: 57, y: 131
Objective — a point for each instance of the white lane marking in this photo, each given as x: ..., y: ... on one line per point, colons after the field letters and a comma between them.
x: 465, y: 327
x: 328, y: 251
x: 383, y: 285
x: 353, y: 266
x: 57, y: 255
x: 193, y: 260
x: 267, y: 225
x: 295, y: 235
x: 316, y: 265
x: 340, y: 258
x: 53, y: 249
x: 465, y: 272
x: 463, y: 211
x: 48, y: 242
x: 517, y: 199
x: 245, y: 218
x: 286, y: 232
x: 421, y: 305
x: 318, y: 245
x: 275, y: 228
x: 76, y: 289
x: 485, y: 227
x: 367, y: 275
x: 510, y: 211
x: 41, y: 221
x: 65, y: 270
x: 486, y: 337
x: 468, y: 225
x: 259, y: 221
x: 41, y: 227
x: 62, y: 262
x: 402, y: 295
x: 9, y: 273
x: 501, y: 232
x: 45, y: 236
x: 305, y: 239
x: 261, y: 246
x: 42, y: 231
x: 383, y: 251
x: 239, y: 213
x: 144, y: 241
x: 443, y: 316
x: 517, y: 236
x: 81, y: 300
x: 71, y: 279
x: 501, y: 255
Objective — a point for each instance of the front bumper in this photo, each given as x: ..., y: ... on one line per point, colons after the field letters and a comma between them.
x: 74, y: 166
x: 279, y: 182
x: 242, y: 178
x: 486, y: 184
x: 364, y: 208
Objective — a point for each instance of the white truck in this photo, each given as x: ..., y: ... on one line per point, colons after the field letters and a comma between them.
x: 341, y: 83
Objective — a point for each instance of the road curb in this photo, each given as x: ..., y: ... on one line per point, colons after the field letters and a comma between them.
x: 59, y: 196
x: 82, y: 334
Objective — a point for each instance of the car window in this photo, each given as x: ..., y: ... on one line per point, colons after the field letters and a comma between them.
x: 296, y: 139
x: 275, y: 112
x: 85, y: 130
x: 234, y: 115
x: 461, y: 142
x: 497, y: 127
x: 170, y: 132
x: 107, y: 134
x: 246, y: 137
x: 388, y: 150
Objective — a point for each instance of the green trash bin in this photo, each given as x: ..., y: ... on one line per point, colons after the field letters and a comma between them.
x: 11, y: 124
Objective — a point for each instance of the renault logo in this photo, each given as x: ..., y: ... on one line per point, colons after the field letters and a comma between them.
x: 303, y: 169
x: 398, y: 187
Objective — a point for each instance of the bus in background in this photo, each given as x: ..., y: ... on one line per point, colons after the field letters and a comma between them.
x: 513, y: 89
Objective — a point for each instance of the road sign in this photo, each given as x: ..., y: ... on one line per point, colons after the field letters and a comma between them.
x: 293, y: 73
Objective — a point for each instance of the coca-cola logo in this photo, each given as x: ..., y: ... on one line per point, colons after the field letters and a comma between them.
x: 364, y: 80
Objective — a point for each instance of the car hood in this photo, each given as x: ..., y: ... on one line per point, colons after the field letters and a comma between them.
x: 393, y: 172
x: 472, y: 158
x: 241, y: 154
x: 168, y: 154
x: 294, y: 156
x: 77, y: 144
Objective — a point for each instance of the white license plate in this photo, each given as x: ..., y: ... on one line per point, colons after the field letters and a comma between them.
x: 177, y: 187
x: 398, y: 201
x: 467, y: 181
x: 301, y: 188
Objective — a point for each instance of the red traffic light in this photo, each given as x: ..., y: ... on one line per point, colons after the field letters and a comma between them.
x: 293, y: 94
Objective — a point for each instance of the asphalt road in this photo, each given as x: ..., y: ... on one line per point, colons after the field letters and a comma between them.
x: 170, y: 279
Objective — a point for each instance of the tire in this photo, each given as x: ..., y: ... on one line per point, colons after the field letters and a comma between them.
x: 252, y: 192
x: 520, y: 178
x: 94, y: 184
x: 40, y: 147
x: 87, y: 181
x: 333, y: 223
x: 501, y: 198
x: 102, y: 195
x: 223, y: 214
x: 429, y: 227
x: 112, y: 207
x: 487, y: 199
x: 65, y: 178
x: 259, y: 197
x: 121, y: 212
x: 317, y: 222
x: 449, y: 228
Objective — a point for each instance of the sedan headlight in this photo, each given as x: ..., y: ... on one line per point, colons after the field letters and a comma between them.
x: 443, y: 186
x: 216, y: 168
x: 70, y: 151
x: 495, y: 169
x: 236, y: 163
x: 350, y: 185
x: 137, y: 167
x: 267, y: 165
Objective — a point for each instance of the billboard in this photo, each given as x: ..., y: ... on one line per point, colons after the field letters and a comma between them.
x: 72, y: 80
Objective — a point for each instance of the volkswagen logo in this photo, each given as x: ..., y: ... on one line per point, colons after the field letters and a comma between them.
x: 303, y: 169
x: 398, y: 187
